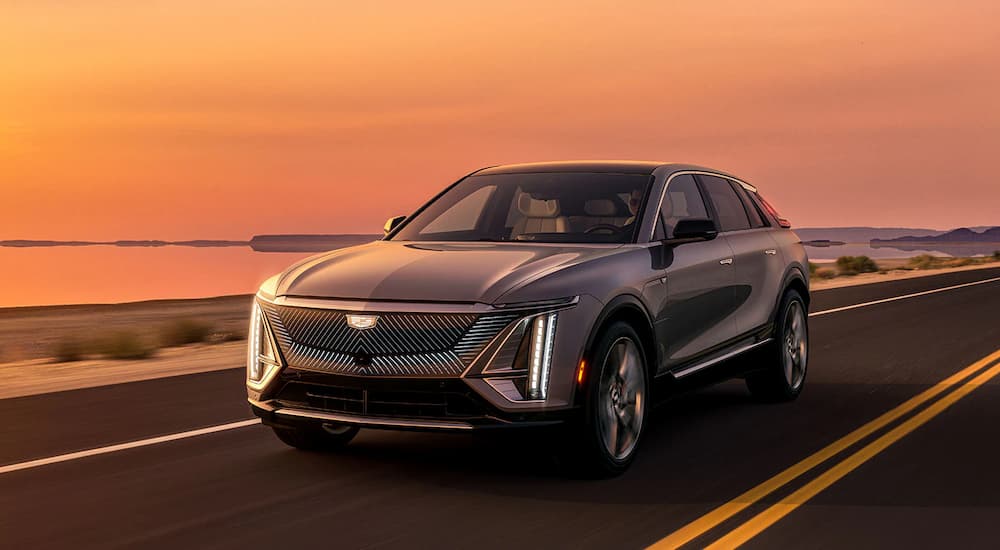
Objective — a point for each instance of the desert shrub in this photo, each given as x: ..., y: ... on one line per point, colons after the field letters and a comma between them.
x: 812, y: 269
x: 852, y: 265
x: 826, y: 273
x: 923, y: 261
x: 996, y: 255
x: 67, y: 350
x: 185, y: 331
x: 125, y: 345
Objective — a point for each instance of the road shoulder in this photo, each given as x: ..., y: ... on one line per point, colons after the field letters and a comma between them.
x: 40, y: 376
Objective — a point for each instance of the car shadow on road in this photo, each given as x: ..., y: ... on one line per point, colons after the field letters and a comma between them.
x: 705, y: 446
x: 689, y: 437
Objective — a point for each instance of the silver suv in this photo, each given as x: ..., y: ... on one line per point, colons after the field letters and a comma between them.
x: 564, y: 294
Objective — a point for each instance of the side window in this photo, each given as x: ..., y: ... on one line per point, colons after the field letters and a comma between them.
x: 463, y: 215
x: 682, y: 200
x: 729, y: 207
x: 756, y: 218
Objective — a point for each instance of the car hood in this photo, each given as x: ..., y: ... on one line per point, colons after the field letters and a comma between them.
x: 430, y: 272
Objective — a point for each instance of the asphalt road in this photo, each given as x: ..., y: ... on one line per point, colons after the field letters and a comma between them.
x: 938, y: 485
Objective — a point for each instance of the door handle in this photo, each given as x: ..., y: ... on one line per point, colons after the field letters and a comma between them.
x: 727, y: 261
x: 770, y: 252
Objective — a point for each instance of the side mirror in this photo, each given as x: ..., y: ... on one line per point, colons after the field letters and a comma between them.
x: 694, y: 229
x: 392, y: 223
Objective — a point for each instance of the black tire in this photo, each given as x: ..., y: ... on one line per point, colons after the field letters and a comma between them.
x: 585, y: 451
x: 773, y: 383
x: 316, y: 439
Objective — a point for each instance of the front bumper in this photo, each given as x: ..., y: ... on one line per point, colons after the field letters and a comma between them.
x: 302, y: 397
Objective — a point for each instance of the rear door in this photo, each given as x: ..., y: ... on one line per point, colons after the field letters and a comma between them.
x: 756, y: 259
x: 697, y: 314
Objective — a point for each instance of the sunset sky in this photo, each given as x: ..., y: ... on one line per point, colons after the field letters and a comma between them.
x: 181, y: 119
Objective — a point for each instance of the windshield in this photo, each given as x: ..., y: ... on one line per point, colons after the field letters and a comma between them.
x: 544, y: 207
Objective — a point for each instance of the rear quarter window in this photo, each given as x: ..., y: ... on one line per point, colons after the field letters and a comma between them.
x: 728, y: 206
x: 755, y: 213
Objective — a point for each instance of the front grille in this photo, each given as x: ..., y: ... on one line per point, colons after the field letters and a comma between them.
x: 394, y: 333
x: 400, y: 344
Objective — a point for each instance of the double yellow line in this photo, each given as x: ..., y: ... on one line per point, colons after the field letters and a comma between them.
x: 771, y: 515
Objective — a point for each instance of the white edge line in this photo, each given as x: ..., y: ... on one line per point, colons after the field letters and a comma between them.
x: 123, y: 446
x: 245, y: 423
x: 903, y: 297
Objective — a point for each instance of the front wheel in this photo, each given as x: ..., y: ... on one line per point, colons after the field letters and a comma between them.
x: 329, y: 437
x: 784, y: 376
x: 604, y: 442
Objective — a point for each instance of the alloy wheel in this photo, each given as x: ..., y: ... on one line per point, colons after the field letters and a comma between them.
x: 621, y: 398
x: 795, y: 346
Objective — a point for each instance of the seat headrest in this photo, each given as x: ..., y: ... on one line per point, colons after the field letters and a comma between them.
x: 600, y: 207
x: 678, y: 205
x: 534, y: 208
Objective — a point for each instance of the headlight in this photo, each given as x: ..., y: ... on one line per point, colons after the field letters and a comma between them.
x: 262, y: 359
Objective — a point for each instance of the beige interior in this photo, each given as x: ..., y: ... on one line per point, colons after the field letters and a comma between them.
x: 538, y: 216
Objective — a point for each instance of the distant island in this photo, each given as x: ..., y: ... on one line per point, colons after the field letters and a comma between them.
x: 259, y: 243
x: 209, y: 243
x: 961, y: 235
x: 859, y: 234
x: 823, y: 243
x: 307, y: 243
x: 958, y: 242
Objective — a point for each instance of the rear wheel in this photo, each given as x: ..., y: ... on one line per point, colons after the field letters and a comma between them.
x: 329, y: 437
x: 604, y: 443
x: 788, y: 359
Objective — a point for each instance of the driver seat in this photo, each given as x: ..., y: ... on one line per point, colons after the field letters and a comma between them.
x: 538, y: 216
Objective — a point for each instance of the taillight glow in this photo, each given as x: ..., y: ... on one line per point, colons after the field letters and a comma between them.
x: 783, y: 222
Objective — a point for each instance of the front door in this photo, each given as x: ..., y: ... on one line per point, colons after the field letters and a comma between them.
x: 697, y: 314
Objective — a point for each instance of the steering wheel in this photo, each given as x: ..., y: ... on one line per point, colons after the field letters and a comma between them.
x: 612, y: 229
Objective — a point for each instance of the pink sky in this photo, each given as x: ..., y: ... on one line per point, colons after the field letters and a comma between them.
x: 175, y: 120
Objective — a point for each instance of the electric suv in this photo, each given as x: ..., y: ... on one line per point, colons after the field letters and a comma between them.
x: 564, y: 294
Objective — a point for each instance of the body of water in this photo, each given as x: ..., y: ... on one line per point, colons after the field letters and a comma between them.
x: 109, y: 274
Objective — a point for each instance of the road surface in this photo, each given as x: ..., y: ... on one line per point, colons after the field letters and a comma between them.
x: 923, y: 475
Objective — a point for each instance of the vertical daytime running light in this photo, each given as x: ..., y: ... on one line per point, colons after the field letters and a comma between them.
x: 255, y: 369
x: 542, y: 341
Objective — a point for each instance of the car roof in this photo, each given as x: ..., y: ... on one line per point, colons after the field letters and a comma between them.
x: 595, y: 166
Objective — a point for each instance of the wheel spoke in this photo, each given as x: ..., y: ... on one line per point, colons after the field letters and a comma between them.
x: 618, y: 355
x: 612, y: 433
x: 623, y: 361
x: 624, y: 435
